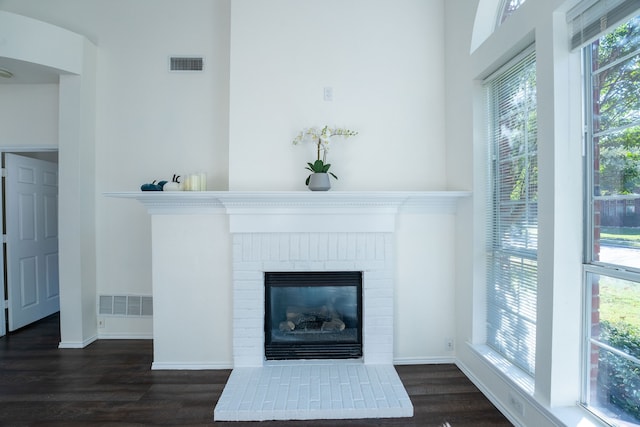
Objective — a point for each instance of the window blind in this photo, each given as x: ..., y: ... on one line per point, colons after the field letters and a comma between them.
x: 512, y: 212
x: 590, y: 18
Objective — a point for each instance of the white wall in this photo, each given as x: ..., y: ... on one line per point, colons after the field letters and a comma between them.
x: 266, y: 66
x: 384, y: 61
x: 76, y: 202
x: 403, y: 74
x: 425, y: 292
x: 150, y: 123
x: 192, y: 292
x: 153, y: 123
x: 29, y: 115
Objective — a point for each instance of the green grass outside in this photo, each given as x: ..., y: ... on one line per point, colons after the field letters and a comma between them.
x: 627, y: 234
x: 619, y: 301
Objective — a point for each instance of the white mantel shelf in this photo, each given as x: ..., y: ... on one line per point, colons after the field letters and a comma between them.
x: 291, y: 211
x: 186, y: 202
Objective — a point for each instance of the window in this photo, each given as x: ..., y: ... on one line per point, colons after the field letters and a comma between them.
x: 612, y: 235
x: 513, y: 212
x: 507, y: 7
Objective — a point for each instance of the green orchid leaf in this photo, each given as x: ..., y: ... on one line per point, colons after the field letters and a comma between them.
x: 307, y: 181
x: 333, y: 175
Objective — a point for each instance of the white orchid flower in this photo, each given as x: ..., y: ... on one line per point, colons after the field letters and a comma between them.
x: 321, y: 138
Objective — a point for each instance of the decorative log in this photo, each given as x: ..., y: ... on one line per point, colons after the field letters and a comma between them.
x: 334, y: 325
x: 287, y: 326
x: 312, y: 318
x: 295, y: 311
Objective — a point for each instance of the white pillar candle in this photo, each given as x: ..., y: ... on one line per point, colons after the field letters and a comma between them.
x: 194, y: 182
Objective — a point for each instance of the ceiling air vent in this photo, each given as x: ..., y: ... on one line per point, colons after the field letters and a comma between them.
x: 186, y: 63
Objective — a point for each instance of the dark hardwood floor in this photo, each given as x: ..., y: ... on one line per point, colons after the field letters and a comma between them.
x: 110, y: 383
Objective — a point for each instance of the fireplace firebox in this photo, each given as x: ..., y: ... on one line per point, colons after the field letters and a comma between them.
x: 313, y: 315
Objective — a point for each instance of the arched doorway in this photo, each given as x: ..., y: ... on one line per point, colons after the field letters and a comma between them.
x: 27, y: 47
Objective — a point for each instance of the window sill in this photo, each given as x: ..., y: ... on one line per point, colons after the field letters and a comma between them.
x: 577, y: 416
x: 511, y: 373
x: 565, y: 415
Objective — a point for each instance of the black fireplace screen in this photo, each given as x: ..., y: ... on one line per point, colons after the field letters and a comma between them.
x: 313, y: 315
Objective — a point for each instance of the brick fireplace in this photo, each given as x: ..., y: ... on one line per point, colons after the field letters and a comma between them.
x: 257, y: 253
x: 295, y: 238
x: 285, y: 232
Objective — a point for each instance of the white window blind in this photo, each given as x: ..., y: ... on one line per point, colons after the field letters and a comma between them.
x: 513, y: 212
x: 590, y: 18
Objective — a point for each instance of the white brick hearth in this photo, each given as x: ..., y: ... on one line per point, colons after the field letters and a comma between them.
x: 313, y: 390
x: 369, y: 388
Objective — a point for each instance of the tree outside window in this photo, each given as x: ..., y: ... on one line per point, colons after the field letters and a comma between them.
x: 613, y: 236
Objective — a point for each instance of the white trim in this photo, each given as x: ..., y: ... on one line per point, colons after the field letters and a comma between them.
x: 489, y: 395
x: 124, y: 336
x: 559, y: 416
x: 3, y: 313
x: 299, y: 211
x: 505, y: 368
x: 484, y: 23
x: 237, y: 202
x: 519, y: 383
x: 156, y: 366
x: 26, y: 149
x: 424, y: 360
x: 77, y: 344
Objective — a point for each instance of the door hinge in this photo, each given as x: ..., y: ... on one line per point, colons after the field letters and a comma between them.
x: 4, y: 238
x: 4, y: 172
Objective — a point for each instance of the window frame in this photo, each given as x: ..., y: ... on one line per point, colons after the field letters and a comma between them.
x: 593, y: 267
x: 504, y: 12
x: 527, y: 254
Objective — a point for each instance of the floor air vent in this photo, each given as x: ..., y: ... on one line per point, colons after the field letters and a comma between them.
x: 186, y: 63
x: 125, y: 305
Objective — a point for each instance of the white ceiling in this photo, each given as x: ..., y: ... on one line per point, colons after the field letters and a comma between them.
x: 27, y: 72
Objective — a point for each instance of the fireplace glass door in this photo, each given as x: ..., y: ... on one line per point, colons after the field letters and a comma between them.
x: 313, y: 315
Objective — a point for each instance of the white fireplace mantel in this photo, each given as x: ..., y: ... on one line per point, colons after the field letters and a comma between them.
x: 210, y: 249
x: 296, y: 211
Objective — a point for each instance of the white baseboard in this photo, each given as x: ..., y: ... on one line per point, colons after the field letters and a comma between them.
x: 77, y: 344
x: 156, y: 366
x: 124, y: 336
x: 440, y: 360
x: 201, y: 366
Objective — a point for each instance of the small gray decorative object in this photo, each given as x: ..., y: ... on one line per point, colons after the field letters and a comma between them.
x: 319, y: 182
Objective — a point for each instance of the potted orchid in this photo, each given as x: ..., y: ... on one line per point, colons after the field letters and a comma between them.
x: 319, y: 179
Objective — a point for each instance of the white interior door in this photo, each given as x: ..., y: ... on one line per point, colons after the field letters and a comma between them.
x: 31, y: 214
